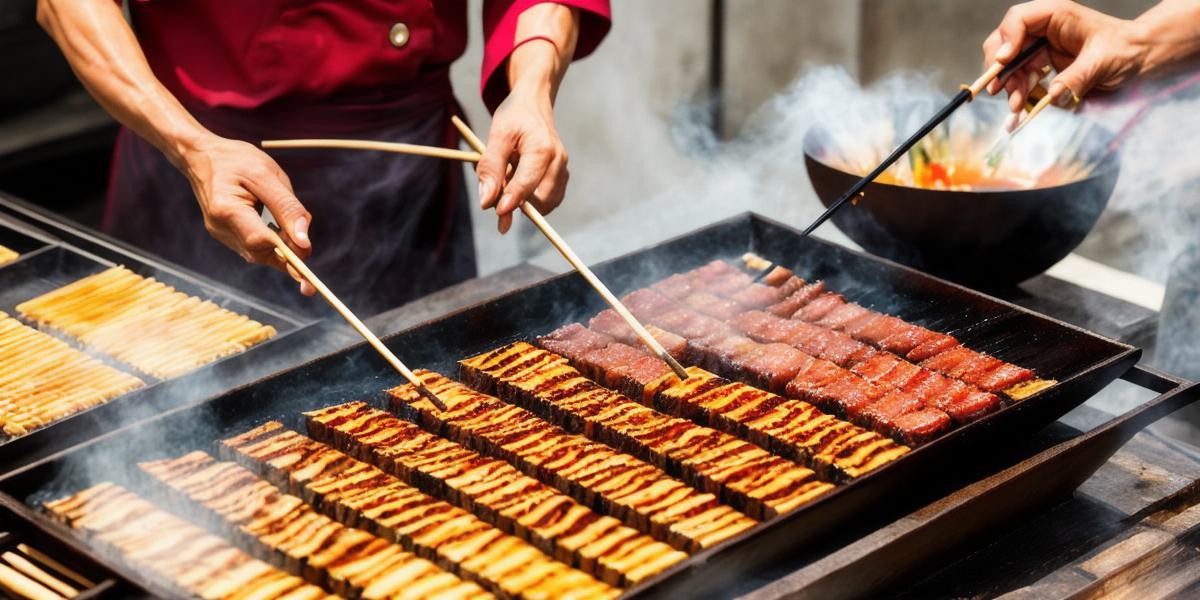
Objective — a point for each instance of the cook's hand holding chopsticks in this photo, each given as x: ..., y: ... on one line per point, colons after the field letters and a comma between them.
x: 1089, y: 49
x: 525, y: 159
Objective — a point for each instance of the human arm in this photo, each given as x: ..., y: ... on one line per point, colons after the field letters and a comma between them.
x: 1089, y: 49
x: 228, y: 177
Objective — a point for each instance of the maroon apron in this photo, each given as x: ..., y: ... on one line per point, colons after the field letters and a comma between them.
x: 386, y: 229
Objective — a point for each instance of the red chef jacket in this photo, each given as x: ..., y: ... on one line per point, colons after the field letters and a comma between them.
x: 377, y: 69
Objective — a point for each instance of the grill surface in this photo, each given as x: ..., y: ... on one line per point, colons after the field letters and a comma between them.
x: 1082, y: 363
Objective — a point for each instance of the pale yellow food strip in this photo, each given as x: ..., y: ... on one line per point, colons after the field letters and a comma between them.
x: 43, y: 379
x: 145, y: 323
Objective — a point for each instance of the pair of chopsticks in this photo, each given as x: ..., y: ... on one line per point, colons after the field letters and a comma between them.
x: 284, y: 252
x: 526, y: 207
x: 965, y: 94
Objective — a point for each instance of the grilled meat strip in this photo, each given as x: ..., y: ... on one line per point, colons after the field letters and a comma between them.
x: 362, y: 495
x: 349, y: 562
x: 745, y: 475
x: 836, y: 449
x: 185, y: 556
x: 42, y: 379
x: 495, y: 490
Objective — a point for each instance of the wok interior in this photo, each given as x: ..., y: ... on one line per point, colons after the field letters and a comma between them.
x: 1057, y: 149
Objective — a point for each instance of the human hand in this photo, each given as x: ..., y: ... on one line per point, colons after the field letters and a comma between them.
x: 525, y: 159
x: 230, y: 178
x: 1089, y: 49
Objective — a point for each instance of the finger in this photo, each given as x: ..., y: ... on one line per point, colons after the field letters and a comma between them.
x: 1019, y: 23
x: 1078, y: 78
x: 504, y: 223
x: 492, y: 168
x: 549, y: 193
x: 294, y: 220
x: 990, y: 46
x: 531, y: 169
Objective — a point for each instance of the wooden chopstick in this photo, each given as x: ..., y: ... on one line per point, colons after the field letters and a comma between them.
x: 284, y: 252
x: 39, y: 556
x: 431, y: 151
x: 561, y: 245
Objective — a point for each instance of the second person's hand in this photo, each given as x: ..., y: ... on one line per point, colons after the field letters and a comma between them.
x: 1089, y: 49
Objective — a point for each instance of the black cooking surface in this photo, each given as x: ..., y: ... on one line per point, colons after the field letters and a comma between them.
x: 1082, y: 362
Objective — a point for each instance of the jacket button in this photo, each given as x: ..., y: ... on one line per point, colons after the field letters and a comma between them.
x: 398, y: 35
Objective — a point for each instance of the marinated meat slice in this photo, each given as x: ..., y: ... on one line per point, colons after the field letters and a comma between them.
x: 971, y: 406
x: 712, y: 305
x: 797, y: 300
x: 976, y: 367
x: 847, y: 395
x: 775, y: 366
x: 691, y: 325
x: 1004, y: 377
x: 904, y: 341
x: 846, y: 351
x: 842, y: 315
x: 928, y: 385
x: 729, y: 283
x: 610, y: 362
x: 646, y: 303
x: 881, y: 415
x: 574, y: 340
x: 716, y: 269
x: 877, y: 367
x: 758, y: 296
x: 918, y: 427
x: 608, y: 322
x: 932, y: 347
x: 677, y: 286
x: 878, y: 329
x: 902, y: 374
x: 675, y: 345
x: 819, y: 307
x: 948, y: 361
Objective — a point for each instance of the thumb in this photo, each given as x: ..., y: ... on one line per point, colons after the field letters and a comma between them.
x: 492, y: 171
x: 293, y: 218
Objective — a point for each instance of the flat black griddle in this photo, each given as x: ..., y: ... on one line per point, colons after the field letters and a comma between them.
x: 48, y: 261
x: 1082, y: 362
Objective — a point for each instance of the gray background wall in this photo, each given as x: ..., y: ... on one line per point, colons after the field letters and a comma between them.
x: 620, y: 110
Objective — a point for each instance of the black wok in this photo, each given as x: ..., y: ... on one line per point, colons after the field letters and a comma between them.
x: 988, y: 239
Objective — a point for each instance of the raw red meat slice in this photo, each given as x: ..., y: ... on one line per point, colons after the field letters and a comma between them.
x: 877, y: 367
x: 938, y: 344
x: 713, y: 305
x: 609, y: 363
x: 573, y: 341
x: 902, y: 374
x: 918, y: 427
x: 758, y: 296
x: 673, y: 344
x: 820, y: 307
x: 847, y: 395
x: 845, y: 350
x: 1004, y: 377
x: 609, y: 323
x: 881, y: 414
x: 975, y: 367
x: 676, y: 286
x: 776, y: 366
x: 903, y: 342
x: 645, y: 303
x: 729, y: 283
x: 949, y: 360
x: 877, y: 330
x: 840, y: 316
x: 797, y: 300
x: 973, y: 405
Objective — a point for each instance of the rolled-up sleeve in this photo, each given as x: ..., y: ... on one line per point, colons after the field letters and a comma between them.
x: 500, y: 30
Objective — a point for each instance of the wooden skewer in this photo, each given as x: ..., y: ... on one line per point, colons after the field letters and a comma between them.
x: 23, y: 565
x: 37, y: 555
x: 284, y: 252
x: 23, y: 586
x: 561, y: 245
x: 431, y: 151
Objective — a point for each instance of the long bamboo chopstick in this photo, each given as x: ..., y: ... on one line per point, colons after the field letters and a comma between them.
x: 431, y: 151
x: 569, y: 254
x: 284, y: 252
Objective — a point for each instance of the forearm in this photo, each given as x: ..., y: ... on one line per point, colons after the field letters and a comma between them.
x: 105, y: 55
x: 1170, y: 32
x: 540, y: 66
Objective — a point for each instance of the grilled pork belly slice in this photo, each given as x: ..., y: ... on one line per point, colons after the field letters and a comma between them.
x: 361, y: 495
x: 348, y: 561
x: 173, y: 550
x: 743, y: 474
x: 494, y: 489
